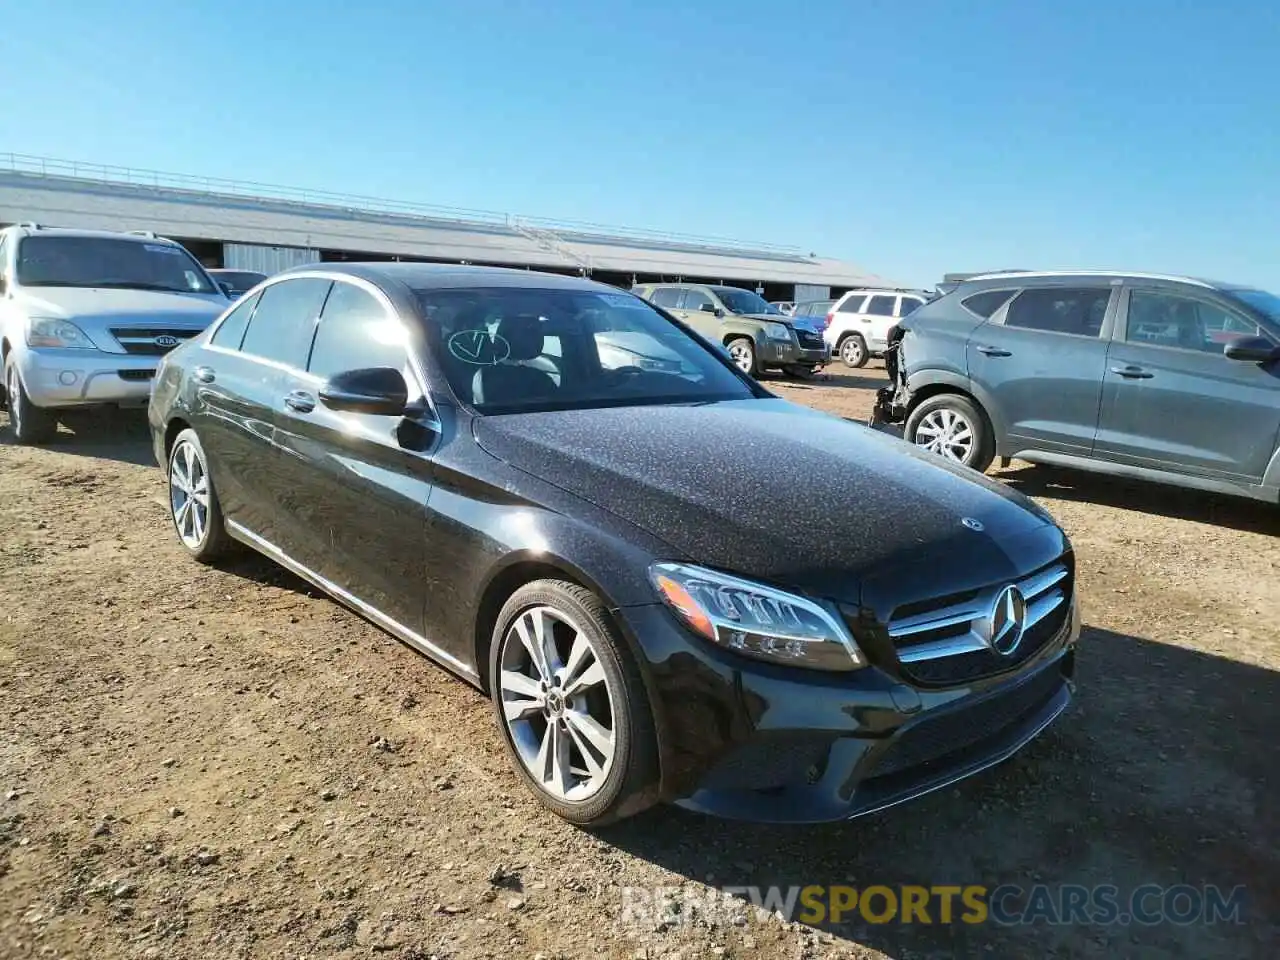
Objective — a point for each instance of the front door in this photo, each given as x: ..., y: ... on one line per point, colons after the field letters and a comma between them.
x: 1173, y: 401
x: 1041, y: 358
x: 356, y: 485
x: 699, y: 312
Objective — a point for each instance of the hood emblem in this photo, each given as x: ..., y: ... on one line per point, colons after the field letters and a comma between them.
x: 166, y: 341
x: 1007, y: 620
x: 973, y: 524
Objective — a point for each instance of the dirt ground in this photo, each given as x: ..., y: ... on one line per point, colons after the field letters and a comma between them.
x: 220, y: 763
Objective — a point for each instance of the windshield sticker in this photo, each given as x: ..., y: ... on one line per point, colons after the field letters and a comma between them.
x: 480, y: 348
x: 162, y: 248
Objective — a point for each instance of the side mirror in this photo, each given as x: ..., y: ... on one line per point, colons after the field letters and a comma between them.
x: 377, y: 390
x: 1251, y: 349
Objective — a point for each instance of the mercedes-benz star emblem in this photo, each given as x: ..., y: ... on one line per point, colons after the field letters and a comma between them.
x: 972, y: 524
x: 1008, y: 617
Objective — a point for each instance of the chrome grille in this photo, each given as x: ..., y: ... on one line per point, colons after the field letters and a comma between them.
x: 947, y: 640
x: 142, y: 341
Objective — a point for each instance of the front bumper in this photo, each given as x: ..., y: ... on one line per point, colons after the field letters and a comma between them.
x: 771, y: 744
x: 72, y: 378
x: 784, y: 353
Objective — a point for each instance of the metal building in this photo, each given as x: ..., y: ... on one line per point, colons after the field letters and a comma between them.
x: 269, y: 228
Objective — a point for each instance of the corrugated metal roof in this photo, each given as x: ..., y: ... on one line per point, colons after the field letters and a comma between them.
x: 116, y: 199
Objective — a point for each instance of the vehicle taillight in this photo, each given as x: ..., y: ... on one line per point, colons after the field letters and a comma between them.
x: 827, y: 322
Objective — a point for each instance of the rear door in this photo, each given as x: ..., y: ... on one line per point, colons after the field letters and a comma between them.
x: 1172, y: 401
x: 355, y: 486
x: 1041, y: 359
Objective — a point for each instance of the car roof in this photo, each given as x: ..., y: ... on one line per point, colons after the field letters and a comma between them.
x: 1083, y: 275
x: 36, y: 231
x: 440, y: 276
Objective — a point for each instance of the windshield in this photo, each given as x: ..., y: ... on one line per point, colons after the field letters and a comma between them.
x: 516, y: 350
x: 1267, y: 303
x: 744, y: 301
x: 62, y: 261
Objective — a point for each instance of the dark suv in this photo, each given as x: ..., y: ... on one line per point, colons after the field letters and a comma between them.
x: 1162, y: 378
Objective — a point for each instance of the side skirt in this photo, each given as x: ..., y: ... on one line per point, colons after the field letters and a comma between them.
x: 393, y: 627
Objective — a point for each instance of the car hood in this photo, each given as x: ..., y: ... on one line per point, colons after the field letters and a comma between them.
x: 112, y: 306
x: 779, y: 492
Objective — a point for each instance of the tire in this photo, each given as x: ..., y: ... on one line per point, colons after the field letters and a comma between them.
x: 954, y: 427
x: 28, y: 423
x: 743, y: 352
x: 853, y: 350
x: 535, y: 719
x: 201, y: 528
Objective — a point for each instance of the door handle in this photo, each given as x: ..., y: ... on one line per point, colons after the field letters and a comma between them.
x: 299, y: 401
x: 994, y: 352
x: 203, y: 374
x: 1132, y: 373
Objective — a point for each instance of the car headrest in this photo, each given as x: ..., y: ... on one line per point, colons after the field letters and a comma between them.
x: 523, y: 333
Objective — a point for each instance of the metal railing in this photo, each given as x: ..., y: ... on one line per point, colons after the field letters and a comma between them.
x: 30, y: 165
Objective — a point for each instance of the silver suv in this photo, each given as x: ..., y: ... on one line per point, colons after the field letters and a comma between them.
x: 1155, y: 377
x: 85, y: 317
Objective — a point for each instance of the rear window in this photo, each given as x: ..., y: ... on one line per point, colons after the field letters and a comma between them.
x: 985, y: 304
x: 668, y: 297
x: 1074, y: 310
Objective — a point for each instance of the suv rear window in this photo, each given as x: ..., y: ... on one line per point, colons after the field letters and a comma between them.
x: 1075, y: 310
x: 668, y: 297
x: 986, y: 303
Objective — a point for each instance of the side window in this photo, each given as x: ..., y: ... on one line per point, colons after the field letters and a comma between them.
x: 908, y: 304
x: 282, y: 325
x: 880, y: 306
x: 1171, y: 320
x: 668, y: 297
x: 4, y: 247
x: 985, y: 304
x: 231, y: 332
x: 695, y: 300
x: 1075, y: 310
x: 355, y: 332
x: 854, y: 305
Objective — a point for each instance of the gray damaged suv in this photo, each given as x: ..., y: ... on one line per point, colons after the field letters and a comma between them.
x: 1161, y: 378
x: 757, y: 334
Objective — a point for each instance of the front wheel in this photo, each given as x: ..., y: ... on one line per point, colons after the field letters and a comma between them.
x: 743, y: 352
x: 953, y: 427
x: 193, y: 503
x: 28, y: 423
x: 853, y: 351
x: 572, y: 705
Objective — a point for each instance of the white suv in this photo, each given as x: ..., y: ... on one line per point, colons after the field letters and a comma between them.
x: 858, y: 325
x: 85, y: 317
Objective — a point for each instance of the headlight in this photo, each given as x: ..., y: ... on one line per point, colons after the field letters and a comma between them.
x: 755, y: 620
x: 50, y: 332
x: 777, y: 331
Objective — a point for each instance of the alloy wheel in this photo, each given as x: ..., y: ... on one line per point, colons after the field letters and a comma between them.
x: 557, y: 704
x: 189, y: 494
x: 742, y: 355
x: 945, y: 432
x: 851, y: 351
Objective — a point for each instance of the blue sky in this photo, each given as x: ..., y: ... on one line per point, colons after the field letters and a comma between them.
x: 911, y: 138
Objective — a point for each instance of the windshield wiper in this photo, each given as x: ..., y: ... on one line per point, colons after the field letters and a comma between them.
x: 138, y: 285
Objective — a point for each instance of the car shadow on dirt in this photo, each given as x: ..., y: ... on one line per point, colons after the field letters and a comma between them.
x: 844, y: 379
x: 120, y: 435
x: 1157, y: 775
x: 1178, y: 503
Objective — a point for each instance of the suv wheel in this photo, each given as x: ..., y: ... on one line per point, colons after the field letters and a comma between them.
x: 853, y: 351
x: 571, y: 705
x: 28, y: 423
x: 953, y: 427
x: 743, y: 352
x: 193, y: 504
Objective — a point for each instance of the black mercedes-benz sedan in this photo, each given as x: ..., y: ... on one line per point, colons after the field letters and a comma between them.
x: 672, y: 584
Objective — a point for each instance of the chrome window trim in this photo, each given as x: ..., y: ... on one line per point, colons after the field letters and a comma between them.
x: 392, y: 626
x: 334, y: 276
